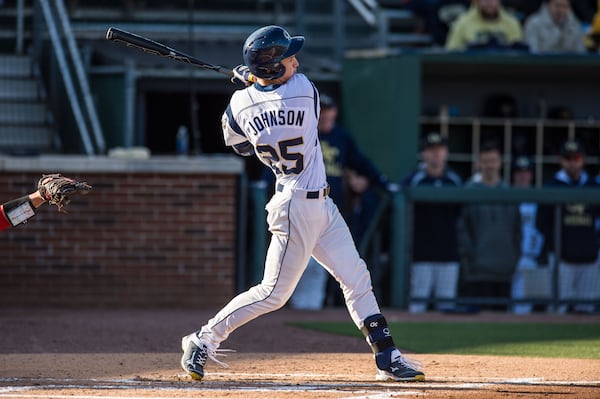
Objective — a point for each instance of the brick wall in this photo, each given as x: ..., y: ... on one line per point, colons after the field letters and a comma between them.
x: 138, y: 239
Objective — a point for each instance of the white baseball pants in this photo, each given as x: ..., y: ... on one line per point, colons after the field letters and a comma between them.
x: 439, y: 278
x: 301, y: 227
x: 578, y: 281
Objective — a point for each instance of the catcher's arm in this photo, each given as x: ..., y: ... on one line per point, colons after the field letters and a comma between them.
x: 19, y: 210
x: 54, y: 188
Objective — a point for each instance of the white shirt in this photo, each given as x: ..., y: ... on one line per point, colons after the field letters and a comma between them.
x: 532, y: 240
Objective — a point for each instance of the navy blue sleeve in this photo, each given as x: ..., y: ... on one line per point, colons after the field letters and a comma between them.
x: 316, y: 100
x: 232, y: 123
x: 244, y: 149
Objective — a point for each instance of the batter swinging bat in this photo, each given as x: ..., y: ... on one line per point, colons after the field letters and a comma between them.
x: 150, y: 46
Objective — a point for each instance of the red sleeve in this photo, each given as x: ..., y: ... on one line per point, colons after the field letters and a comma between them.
x: 4, y: 224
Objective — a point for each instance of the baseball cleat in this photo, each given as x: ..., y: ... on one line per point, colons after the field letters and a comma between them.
x: 400, y: 369
x: 194, y: 357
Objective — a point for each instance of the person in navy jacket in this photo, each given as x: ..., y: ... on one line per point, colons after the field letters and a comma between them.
x: 578, y: 271
x: 435, y: 261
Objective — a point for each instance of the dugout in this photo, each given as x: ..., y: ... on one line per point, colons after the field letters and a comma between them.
x: 393, y: 97
x: 405, y: 94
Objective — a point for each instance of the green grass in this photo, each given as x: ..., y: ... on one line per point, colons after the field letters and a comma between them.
x: 508, y: 339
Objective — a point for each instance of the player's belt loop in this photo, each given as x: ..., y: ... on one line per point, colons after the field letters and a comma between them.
x: 309, y: 194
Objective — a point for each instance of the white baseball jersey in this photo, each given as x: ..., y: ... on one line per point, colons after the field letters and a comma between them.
x: 532, y: 240
x: 280, y: 122
x: 281, y: 125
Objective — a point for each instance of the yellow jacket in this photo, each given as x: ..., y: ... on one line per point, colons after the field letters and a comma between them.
x: 470, y: 28
x: 592, y: 39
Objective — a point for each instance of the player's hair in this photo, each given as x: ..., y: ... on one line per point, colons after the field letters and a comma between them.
x: 489, y: 146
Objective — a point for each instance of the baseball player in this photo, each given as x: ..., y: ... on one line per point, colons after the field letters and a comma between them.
x: 275, y: 118
x: 577, y: 270
x: 435, y: 263
x: 54, y: 188
x: 531, y: 239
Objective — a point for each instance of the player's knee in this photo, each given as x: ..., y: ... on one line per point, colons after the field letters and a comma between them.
x: 270, y: 295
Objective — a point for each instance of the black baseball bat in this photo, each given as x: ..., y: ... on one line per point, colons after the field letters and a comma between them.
x: 150, y: 46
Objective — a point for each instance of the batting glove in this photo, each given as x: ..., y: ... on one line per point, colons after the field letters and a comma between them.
x: 241, y: 74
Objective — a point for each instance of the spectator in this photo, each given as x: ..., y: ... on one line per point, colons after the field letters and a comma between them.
x: 489, y: 235
x: 554, y: 29
x: 361, y: 203
x: 435, y: 263
x: 485, y: 25
x: 339, y: 152
x: 577, y: 271
x: 592, y: 39
x: 532, y: 240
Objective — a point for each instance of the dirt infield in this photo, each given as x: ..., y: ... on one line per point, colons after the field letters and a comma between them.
x: 135, y: 354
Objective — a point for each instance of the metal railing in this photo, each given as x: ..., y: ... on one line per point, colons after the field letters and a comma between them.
x: 401, y: 225
x: 51, y: 20
x: 367, y: 9
x: 20, y: 26
x: 538, y: 128
x: 368, y: 247
x: 400, y: 204
x: 381, y: 19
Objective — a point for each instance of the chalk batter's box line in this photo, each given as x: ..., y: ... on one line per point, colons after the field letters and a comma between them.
x: 326, y: 380
x: 349, y: 389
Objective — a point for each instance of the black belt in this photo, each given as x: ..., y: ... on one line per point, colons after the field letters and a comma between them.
x: 309, y: 194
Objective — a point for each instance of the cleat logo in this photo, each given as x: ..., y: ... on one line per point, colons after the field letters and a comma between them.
x: 394, y: 369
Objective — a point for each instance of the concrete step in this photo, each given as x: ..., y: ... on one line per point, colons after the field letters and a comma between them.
x: 26, y: 113
x: 18, y: 90
x: 15, y: 66
x: 26, y: 138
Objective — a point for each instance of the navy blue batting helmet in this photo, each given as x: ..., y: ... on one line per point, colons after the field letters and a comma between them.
x: 266, y: 47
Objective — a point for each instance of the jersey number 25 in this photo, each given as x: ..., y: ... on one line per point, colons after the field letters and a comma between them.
x: 293, y: 162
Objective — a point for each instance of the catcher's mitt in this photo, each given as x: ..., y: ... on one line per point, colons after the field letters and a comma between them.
x: 57, y: 189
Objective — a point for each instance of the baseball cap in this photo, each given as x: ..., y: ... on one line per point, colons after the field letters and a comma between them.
x: 571, y: 148
x: 433, y: 139
x: 326, y: 101
x: 522, y: 162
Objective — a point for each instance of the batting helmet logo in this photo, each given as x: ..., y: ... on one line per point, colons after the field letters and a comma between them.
x: 266, y: 47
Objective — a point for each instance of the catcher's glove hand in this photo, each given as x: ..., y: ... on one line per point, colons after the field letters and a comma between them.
x: 57, y: 189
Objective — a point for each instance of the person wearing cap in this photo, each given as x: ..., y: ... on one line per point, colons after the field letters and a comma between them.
x: 489, y: 234
x: 340, y: 152
x: 532, y: 240
x: 577, y: 270
x: 435, y: 263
